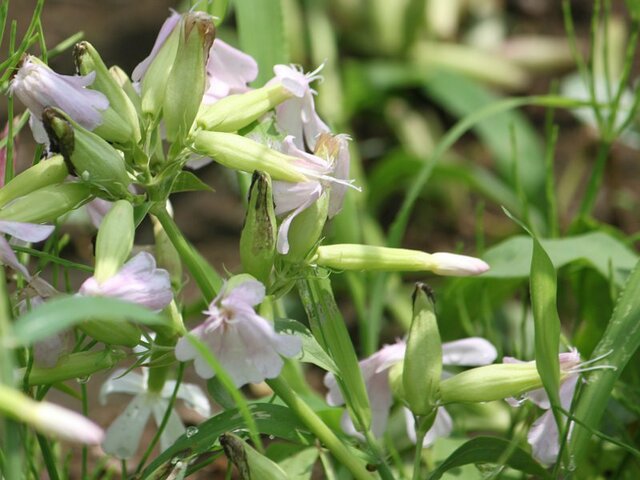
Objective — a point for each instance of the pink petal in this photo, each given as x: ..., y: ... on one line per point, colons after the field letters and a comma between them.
x: 166, y: 29
x: 470, y: 352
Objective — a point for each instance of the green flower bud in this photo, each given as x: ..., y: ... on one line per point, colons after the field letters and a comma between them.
x: 395, y: 380
x: 74, y: 365
x: 114, y: 241
x: 251, y: 464
x: 119, y: 121
x: 188, y: 78
x: 46, y: 172
x: 122, y: 79
x: 234, y: 112
x: 367, y: 257
x: 306, y: 229
x: 47, y: 203
x: 241, y: 153
x: 491, y: 382
x: 258, y: 238
x: 93, y: 159
x: 111, y: 332
x: 423, y: 357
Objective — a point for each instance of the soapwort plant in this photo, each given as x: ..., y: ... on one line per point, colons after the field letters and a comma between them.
x: 114, y: 147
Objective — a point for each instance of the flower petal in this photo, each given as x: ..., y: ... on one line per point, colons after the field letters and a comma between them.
x: 174, y: 428
x: 132, y: 383
x: 123, y: 436
x: 471, y: 352
x: 166, y: 29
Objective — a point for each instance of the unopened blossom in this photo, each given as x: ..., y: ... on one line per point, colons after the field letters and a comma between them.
x: 138, y: 281
x: 229, y: 70
x: 245, y: 344
x: 37, y: 87
x: 166, y: 29
x: 543, y: 435
x: 325, y: 174
x: 27, y: 232
x: 123, y: 435
x: 297, y: 116
x: 375, y: 371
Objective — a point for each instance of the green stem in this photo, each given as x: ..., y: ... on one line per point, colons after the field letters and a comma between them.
x: 201, y: 271
x: 319, y: 429
x: 383, y: 468
x: 595, y: 180
x: 47, y: 456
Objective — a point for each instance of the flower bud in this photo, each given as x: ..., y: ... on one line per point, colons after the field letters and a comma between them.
x: 119, y: 121
x: 114, y: 241
x: 47, y: 172
x: 48, y: 418
x: 258, y: 238
x: 93, y: 159
x: 47, y: 203
x: 187, y: 80
x: 241, y: 153
x: 123, y: 80
x: 306, y: 229
x: 74, y: 365
x: 491, y: 382
x: 111, y: 332
x: 423, y: 357
x: 250, y: 463
x: 166, y: 254
x: 366, y: 257
x: 234, y: 112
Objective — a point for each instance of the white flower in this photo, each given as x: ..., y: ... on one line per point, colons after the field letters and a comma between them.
x: 28, y: 232
x: 469, y: 352
x: 245, y: 344
x: 543, y: 435
x: 138, y: 281
x: 297, y: 116
x: 228, y: 71
x: 123, y: 436
x: 456, y: 265
x: 37, y: 86
x: 325, y: 174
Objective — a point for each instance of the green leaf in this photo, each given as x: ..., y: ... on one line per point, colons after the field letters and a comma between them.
x: 300, y: 465
x: 543, y: 286
x: 512, y: 258
x: 312, y: 352
x: 270, y: 419
x: 618, y: 344
x: 262, y: 35
x: 330, y: 331
x: 491, y: 450
x: 62, y: 313
x: 188, y: 182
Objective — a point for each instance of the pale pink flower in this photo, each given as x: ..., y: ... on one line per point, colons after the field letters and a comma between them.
x: 291, y: 199
x: 37, y: 87
x: 297, y: 116
x: 543, y: 435
x: 123, y: 435
x: 229, y: 70
x: 27, y: 232
x: 469, y: 352
x: 456, y: 265
x: 138, y: 281
x: 66, y: 424
x: 245, y: 344
x: 166, y: 29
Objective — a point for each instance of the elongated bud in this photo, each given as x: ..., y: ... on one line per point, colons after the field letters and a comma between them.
x: 423, y: 357
x: 154, y: 82
x: 74, y: 365
x: 491, y: 382
x: 46, y: 172
x: 258, y: 239
x: 48, y: 418
x: 47, y: 203
x: 114, y: 241
x: 366, y: 257
x: 93, y: 159
x: 188, y: 78
x: 251, y: 464
x: 231, y: 113
x: 123, y: 80
x: 110, y: 332
x: 241, y: 153
x: 306, y: 229
x: 119, y: 121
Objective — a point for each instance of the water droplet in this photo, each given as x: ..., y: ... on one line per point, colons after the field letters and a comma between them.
x: 191, y: 431
x: 571, y: 466
x: 272, y: 437
x: 175, y: 460
x: 83, y: 380
x: 85, y: 176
